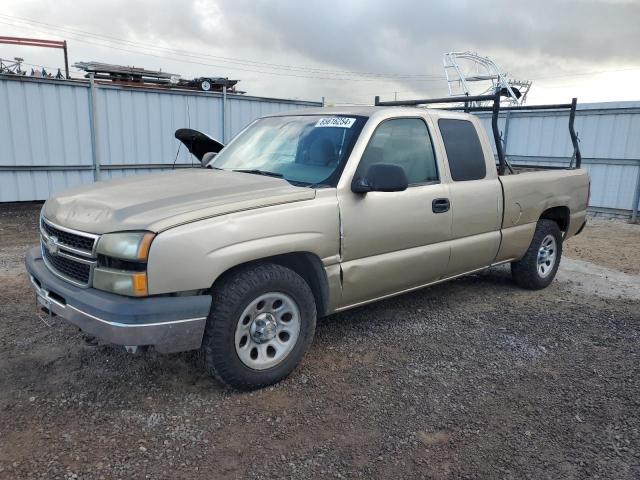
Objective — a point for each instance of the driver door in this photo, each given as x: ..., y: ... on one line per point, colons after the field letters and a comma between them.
x: 395, y: 241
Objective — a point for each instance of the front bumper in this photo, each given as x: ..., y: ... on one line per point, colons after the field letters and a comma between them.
x: 170, y: 324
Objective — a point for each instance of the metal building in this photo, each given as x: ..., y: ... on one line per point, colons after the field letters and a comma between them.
x: 56, y: 134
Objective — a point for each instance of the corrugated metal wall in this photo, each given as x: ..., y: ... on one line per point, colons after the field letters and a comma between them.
x: 609, y: 141
x: 46, y: 142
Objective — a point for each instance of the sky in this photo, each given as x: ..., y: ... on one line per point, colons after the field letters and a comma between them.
x: 346, y: 51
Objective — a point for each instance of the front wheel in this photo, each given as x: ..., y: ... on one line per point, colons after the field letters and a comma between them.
x: 538, y: 267
x: 262, y: 320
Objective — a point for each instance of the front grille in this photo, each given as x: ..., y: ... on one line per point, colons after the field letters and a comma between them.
x: 69, y: 239
x: 68, y: 253
x: 80, y: 272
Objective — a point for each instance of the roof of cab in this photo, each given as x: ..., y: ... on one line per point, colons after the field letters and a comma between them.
x: 346, y: 110
x: 370, y: 111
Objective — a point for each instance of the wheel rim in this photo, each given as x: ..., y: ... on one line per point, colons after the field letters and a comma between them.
x: 267, y: 330
x: 547, y: 256
x: 205, y: 85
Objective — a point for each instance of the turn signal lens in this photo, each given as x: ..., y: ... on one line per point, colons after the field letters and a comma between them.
x: 145, y: 245
x: 139, y: 284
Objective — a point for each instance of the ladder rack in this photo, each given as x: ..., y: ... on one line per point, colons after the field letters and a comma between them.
x: 467, y: 102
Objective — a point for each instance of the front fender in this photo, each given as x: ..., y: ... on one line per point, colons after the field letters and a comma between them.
x: 193, y: 256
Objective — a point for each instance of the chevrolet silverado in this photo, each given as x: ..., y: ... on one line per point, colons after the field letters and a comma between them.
x: 301, y: 215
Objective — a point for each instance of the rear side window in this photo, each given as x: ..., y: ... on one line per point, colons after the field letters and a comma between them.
x: 464, y: 151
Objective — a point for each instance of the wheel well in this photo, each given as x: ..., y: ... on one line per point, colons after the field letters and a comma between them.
x: 560, y: 215
x: 305, y: 264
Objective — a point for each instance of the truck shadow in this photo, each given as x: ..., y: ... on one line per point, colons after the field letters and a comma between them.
x: 478, y: 286
x: 59, y: 361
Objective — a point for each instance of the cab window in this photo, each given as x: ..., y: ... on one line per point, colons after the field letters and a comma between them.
x: 464, y: 151
x: 303, y: 149
x: 404, y: 142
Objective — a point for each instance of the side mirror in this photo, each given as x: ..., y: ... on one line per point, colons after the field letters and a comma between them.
x: 206, y: 158
x: 381, y: 177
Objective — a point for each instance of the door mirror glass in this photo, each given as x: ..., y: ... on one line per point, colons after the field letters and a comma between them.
x: 381, y: 177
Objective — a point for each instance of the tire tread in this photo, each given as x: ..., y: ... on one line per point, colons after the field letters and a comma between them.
x: 230, y: 292
x: 525, y: 271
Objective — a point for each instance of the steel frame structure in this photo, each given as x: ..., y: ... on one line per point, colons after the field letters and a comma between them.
x: 12, y: 67
x: 458, y: 82
x: 35, y: 42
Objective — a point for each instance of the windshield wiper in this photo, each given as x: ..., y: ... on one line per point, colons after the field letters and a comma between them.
x: 261, y: 172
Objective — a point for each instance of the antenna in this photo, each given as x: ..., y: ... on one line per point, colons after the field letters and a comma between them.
x: 471, y: 74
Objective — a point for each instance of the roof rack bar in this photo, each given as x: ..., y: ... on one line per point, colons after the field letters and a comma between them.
x: 495, y: 112
x: 555, y: 106
x: 427, y: 101
x: 496, y: 133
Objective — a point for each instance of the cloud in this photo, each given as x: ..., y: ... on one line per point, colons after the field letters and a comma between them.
x: 543, y: 39
x: 407, y: 35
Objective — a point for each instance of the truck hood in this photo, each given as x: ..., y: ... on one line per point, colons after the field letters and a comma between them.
x: 161, y: 201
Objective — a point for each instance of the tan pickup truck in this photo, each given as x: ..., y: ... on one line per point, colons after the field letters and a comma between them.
x: 302, y: 215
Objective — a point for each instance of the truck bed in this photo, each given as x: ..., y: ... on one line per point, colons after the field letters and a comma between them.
x: 532, y: 190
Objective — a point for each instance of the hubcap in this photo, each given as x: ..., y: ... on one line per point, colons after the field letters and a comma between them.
x: 263, y: 328
x: 547, y: 256
x: 267, y: 330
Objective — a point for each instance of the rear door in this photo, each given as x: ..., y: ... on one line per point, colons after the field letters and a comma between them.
x: 476, y: 195
x: 393, y: 241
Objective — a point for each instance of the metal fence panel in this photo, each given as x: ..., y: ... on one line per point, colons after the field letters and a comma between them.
x: 46, y: 144
x: 241, y: 109
x: 137, y: 127
x: 45, y: 133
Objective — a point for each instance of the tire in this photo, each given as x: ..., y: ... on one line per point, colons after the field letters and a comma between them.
x: 536, y: 270
x: 265, y: 309
x: 205, y: 85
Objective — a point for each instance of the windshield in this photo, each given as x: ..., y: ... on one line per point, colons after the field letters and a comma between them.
x: 305, y: 149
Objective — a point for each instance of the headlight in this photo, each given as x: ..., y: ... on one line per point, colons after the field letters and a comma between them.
x: 126, y: 245
x: 122, y: 261
x: 123, y: 282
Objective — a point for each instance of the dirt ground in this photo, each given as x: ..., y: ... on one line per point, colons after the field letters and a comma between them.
x: 470, y: 379
x: 611, y: 243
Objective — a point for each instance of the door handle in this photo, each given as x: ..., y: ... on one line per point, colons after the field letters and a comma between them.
x: 440, y: 205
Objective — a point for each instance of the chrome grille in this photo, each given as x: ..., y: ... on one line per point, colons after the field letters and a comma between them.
x: 68, y: 253
x: 80, y: 272
x: 69, y: 238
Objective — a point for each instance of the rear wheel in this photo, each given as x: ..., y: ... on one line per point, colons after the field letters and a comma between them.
x: 262, y: 321
x: 538, y: 267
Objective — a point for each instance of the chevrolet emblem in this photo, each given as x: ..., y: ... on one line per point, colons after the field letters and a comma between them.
x: 52, y: 245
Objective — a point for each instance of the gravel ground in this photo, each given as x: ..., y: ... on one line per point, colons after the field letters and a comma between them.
x: 596, y: 245
x: 470, y: 379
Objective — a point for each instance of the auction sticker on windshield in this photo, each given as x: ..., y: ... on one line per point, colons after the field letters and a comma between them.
x: 340, y: 122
